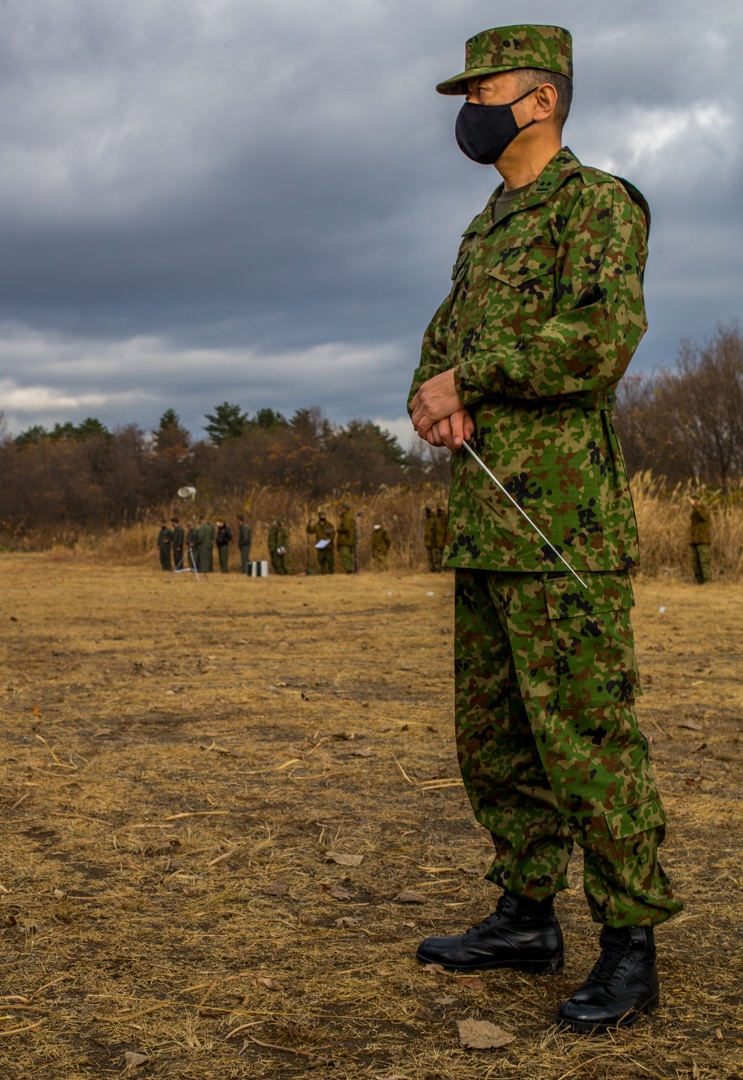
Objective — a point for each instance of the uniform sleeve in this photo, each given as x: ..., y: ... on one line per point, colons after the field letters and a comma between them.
x: 434, y: 356
x: 599, y: 312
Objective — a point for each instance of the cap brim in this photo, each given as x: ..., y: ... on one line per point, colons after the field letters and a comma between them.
x: 458, y: 83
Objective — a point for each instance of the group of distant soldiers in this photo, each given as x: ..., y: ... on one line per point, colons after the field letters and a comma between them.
x: 345, y: 539
x: 192, y: 548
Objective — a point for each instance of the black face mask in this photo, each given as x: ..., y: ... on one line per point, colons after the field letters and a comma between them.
x: 484, y: 131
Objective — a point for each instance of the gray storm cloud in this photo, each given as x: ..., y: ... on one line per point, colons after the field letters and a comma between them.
x: 210, y: 200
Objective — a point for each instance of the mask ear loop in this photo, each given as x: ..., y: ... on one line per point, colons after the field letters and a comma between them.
x: 516, y: 101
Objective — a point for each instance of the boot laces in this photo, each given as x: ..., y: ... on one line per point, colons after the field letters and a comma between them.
x: 609, y: 963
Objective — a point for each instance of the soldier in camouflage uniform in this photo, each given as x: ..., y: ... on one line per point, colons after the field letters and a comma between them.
x: 380, y: 546
x: 243, y: 542
x: 345, y: 540
x: 429, y: 541
x: 700, y: 540
x: 523, y: 359
x: 164, y: 544
x: 281, y: 559
x: 178, y: 537
x: 440, y: 523
x: 322, y: 529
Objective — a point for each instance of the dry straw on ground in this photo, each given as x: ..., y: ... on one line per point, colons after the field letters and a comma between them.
x: 216, y: 796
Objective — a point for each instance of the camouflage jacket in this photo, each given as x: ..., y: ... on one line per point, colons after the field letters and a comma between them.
x: 440, y: 523
x: 322, y: 530
x: 701, y: 528
x: 380, y: 542
x: 545, y: 312
x: 429, y: 531
x: 346, y: 534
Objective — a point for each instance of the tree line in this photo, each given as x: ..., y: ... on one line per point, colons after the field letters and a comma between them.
x: 685, y: 423
x: 82, y: 477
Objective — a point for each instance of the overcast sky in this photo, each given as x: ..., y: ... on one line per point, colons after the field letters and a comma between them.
x: 260, y: 201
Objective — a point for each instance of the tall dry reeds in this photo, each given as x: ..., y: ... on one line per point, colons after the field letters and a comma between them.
x: 662, y: 513
x: 663, y: 520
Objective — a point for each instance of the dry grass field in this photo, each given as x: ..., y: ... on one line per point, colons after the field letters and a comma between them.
x: 216, y: 795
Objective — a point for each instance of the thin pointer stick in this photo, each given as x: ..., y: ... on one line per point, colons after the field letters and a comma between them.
x: 520, y: 509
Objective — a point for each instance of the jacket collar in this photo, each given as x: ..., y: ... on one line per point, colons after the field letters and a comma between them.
x: 552, y: 176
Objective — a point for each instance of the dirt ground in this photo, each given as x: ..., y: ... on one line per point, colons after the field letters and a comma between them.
x: 216, y: 795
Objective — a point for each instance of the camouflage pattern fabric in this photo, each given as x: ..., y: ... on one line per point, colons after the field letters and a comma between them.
x: 508, y: 48
x: 701, y: 526
x: 164, y: 538
x: 701, y: 563
x: 545, y: 312
x: 346, y: 541
x: 324, y: 530
x: 548, y: 742
x: 282, y: 554
x: 380, y: 546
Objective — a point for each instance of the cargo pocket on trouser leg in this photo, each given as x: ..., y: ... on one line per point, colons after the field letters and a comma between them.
x: 593, y: 641
x: 624, y: 883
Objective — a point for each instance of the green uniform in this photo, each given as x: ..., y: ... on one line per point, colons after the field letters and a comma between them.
x: 281, y: 560
x: 701, y: 543
x: 224, y: 537
x: 545, y: 312
x: 429, y: 542
x: 346, y: 541
x: 323, y: 530
x: 204, y: 540
x: 380, y: 546
x: 243, y: 543
x: 438, y: 534
x: 164, y: 544
x: 178, y: 536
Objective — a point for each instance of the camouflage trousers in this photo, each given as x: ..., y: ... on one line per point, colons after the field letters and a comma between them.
x: 435, y: 557
x: 548, y: 742
x: 326, y: 560
x: 701, y: 563
x: 347, y: 556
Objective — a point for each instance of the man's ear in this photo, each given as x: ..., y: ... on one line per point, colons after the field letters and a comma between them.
x: 545, y: 100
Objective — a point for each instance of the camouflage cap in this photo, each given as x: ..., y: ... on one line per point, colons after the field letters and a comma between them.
x: 508, y: 48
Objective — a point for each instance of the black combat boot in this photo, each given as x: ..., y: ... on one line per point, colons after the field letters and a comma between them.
x: 623, y: 983
x: 522, y: 934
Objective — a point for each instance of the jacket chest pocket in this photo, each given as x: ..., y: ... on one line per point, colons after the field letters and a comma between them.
x: 528, y: 273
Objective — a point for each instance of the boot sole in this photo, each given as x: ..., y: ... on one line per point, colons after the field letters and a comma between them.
x: 583, y: 1027
x: 531, y: 967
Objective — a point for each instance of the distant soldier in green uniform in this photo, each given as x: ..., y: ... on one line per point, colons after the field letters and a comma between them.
x: 700, y: 540
x: 429, y: 541
x: 192, y: 547
x: 440, y: 519
x: 204, y: 543
x: 281, y: 560
x: 324, y: 532
x: 522, y: 359
x: 164, y: 544
x: 345, y: 540
x: 223, y: 540
x: 380, y: 546
x: 178, y: 536
x: 243, y: 542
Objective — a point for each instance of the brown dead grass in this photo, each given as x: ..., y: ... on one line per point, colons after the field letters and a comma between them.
x: 181, y: 758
